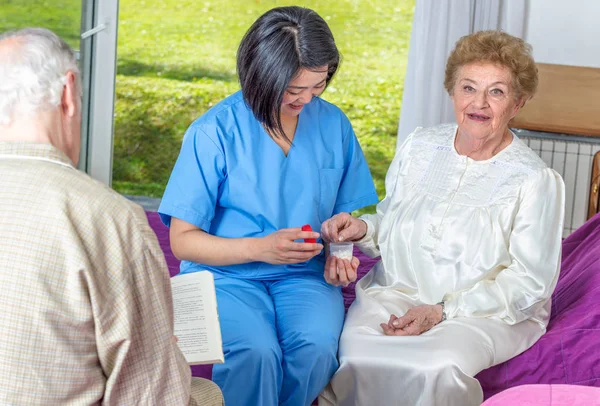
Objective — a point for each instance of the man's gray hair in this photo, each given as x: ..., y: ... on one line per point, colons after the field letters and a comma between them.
x: 33, y: 71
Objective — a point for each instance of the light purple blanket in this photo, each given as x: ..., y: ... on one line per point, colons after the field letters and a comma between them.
x: 567, y: 354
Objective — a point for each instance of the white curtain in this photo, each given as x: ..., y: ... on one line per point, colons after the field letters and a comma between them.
x: 437, y: 25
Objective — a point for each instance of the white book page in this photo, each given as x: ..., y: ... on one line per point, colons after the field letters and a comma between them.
x: 196, y: 318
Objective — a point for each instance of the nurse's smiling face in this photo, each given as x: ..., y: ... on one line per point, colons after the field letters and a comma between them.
x: 302, y: 88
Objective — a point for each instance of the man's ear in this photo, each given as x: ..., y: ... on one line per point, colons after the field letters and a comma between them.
x: 70, y: 95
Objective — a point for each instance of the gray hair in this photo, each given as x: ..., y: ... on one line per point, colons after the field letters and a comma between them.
x: 33, y: 71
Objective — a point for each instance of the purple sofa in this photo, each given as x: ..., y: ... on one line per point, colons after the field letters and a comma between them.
x: 567, y: 354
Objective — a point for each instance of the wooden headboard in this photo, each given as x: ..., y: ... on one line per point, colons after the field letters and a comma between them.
x: 567, y: 102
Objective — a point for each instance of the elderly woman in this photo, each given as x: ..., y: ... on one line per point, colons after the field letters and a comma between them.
x: 469, y: 235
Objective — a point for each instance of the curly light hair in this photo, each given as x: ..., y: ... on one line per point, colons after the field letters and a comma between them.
x: 499, y: 48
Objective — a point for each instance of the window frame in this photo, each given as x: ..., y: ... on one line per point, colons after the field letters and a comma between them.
x: 98, y: 63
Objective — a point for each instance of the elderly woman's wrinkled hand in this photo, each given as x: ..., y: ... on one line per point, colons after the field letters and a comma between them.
x: 343, y: 227
x: 340, y: 271
x: 415, y: 321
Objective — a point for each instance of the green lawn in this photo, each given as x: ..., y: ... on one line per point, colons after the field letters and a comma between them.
x: 176, y: 58
x: 61, y: 16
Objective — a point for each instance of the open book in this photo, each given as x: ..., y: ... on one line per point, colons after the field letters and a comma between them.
x: 196, y: 318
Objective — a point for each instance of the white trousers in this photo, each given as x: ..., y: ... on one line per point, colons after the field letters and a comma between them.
x: 433, y: 369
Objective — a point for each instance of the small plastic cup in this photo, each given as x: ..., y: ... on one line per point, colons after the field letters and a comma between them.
x: 342, y: 250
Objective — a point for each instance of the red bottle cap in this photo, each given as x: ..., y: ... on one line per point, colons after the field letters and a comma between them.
x: 307, y: 227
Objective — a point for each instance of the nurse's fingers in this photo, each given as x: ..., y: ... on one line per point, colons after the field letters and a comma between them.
x: 326, y: 270
x: 294, y: 257
x: 341, y: 271
x: 285, y: 240
x: 292, y: 234
x: 332, y: 271
x: 355, y: 263
x: 346, y: 271
x: 352, y: 269
x: 305, y: 246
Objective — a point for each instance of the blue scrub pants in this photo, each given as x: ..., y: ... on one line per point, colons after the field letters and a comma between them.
x: 280, y: 339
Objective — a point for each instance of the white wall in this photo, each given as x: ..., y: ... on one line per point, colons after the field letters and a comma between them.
x: 565, y: 32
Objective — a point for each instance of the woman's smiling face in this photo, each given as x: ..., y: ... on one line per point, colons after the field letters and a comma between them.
x: 303, y: 87
x: 484, y: 100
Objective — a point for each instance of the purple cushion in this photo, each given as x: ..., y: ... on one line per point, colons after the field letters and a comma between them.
x: 566, y: 354
x: 162, y: 233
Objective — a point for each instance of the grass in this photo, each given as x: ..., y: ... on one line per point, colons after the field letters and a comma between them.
x: 176, y: 58
x: 61, y: 16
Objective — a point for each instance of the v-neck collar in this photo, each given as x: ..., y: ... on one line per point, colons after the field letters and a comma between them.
x: 294, y: 143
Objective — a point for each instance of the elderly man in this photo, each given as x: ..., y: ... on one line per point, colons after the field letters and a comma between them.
x: 86, y: 309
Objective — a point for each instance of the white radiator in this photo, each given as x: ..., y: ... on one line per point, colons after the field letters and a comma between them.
x: 571, y: 156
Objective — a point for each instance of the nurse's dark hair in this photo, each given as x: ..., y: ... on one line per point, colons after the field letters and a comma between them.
x: 280, y: 43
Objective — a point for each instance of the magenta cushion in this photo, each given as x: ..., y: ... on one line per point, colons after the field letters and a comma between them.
x: 546, y: 395
x: 567, y: 354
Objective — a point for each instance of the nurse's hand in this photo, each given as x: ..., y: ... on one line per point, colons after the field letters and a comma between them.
x: 280, y: 247
x: 415, y: 321
x: 343, y: 227
x: 340, y: 271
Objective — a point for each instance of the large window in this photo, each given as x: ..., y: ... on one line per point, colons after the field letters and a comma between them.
x: 176, y: 60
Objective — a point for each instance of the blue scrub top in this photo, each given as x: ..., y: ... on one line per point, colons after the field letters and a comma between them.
x: 232, y: 180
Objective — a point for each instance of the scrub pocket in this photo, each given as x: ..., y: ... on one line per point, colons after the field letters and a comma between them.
x: 330, y: 180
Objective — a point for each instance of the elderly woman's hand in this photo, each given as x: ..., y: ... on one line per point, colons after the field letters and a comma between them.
x: 343, y: 227
x: 415, y: 321
x: 340, y: 271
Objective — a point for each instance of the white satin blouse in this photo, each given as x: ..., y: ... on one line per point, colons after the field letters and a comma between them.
x: 484, y: 236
